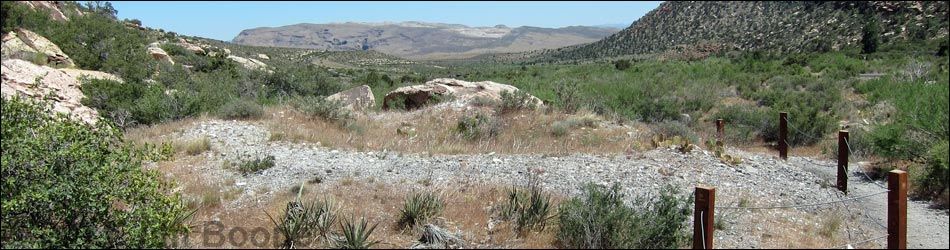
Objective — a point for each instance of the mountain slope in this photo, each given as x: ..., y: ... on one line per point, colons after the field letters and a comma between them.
x: 420, y: 40
x: 773, y: 26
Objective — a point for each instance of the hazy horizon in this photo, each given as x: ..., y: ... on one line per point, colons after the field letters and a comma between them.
x: 224, y: 20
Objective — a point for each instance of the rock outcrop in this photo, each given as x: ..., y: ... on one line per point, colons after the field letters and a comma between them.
x: 24, y: 44
x: 191, y: 47
x: 159, y: 53
x: 357, y: 98
x: 248, y: 63
x: 54, y: 12
x: 263, y: 56
x: 25, y: 79
x: 463, y: 92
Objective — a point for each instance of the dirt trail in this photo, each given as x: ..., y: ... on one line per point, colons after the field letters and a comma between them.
x: 926, y: 227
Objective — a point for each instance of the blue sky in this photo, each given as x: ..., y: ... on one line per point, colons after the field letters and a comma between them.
x: 224, y: 20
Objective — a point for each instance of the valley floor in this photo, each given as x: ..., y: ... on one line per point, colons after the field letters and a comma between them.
x: 374, y: 183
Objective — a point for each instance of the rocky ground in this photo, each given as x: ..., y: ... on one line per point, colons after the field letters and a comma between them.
x: 761, y: 180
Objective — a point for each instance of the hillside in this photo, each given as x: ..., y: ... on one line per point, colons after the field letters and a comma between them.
x: 771, y: 26
x: 419, y: 40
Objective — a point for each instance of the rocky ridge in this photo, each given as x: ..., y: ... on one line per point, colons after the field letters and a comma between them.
x: 418, y: 40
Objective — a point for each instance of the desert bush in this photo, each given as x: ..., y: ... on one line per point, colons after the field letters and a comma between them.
x: 418, y: 208
x: 934, y: 182
x: 622, y: 64
x: 320, y: 107
x: 600, y: 219
x: 672, y: 129
x: 102, y: 196
x: 745, y: 122
x: 482, y: 101
x: 478, y: 126
x: 255, y: 165
x: 518, y: 100
x: 241, y: 109
x: 561, y: 128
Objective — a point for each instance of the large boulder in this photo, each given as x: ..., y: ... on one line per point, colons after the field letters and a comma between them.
x: 91, y: 74
x: 159, y: 53
x: 24, y: 44
x: 54, y: 12
x: 248, y: 63
x: 191, y: 47
x: 463, y: 92
x: 357, y: 98
x: 29, y: 80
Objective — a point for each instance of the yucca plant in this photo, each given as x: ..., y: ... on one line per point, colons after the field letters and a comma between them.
x: 293, y: 225
x: 321, y: 217
x: 356, y: 236
x: 418, y: 208
x: 529, y: 207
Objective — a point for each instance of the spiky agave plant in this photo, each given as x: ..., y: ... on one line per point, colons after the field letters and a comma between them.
x: 356, y: 236
x: 529, y: 207
x: 322, y: 216
x: 293, y: 225
x: 418, y: 208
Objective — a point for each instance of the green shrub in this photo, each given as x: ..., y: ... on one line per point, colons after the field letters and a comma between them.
x: 561, y: 128
x: 320, y: 107
x: 675, y: 128
x: 622, y: 64
x: 67, y: 184
x: 600, y: 219
x: 519, y: 100
x: 934, y: 182
x: 418, y: 208
x: 241, y: 109
x: 479, y: 126
x: 256, y: 165
x: 745, y: 123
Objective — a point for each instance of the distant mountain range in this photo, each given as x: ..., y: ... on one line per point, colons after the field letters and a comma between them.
x: 419, y: 40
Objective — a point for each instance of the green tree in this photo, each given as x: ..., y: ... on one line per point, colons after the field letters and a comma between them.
x: 103, y: 8
x: 622, y: 64
x: 67, y: 184
x: 870, y: 38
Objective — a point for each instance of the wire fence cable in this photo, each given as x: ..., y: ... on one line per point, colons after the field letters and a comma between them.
x: 808, y: 205
x: 846, y: 141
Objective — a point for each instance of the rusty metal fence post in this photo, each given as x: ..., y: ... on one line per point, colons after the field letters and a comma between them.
x: 783, y: 135
x: 843, y: 154
x: 897, y: 209
x: 719, y: 128
x: 703, y: 216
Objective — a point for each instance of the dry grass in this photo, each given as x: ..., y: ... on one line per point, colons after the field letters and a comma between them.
x: 194, y: 146
x: 467, y: 212
x: 156, y: 134
x: 526, y: 132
